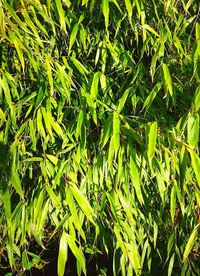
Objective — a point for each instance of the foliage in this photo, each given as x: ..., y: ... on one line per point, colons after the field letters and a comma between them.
x: 99, y: 133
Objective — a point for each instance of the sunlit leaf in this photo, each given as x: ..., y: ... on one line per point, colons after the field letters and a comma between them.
x: 61, y: 14
x: 106, y: 10
x: 190, y: 243
x: 152, y: 139
x: 193, y: 130
x: 62, y: 254
x: 167, y: 79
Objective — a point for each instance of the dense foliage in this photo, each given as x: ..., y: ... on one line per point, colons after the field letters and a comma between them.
x: 99, y: 134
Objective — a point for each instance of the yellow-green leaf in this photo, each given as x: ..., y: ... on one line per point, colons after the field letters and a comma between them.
x: 49, y: 74
x: 193, y: 130
x: 135, y: 176
x: 2, y: 115
x: 150, y: 29
x: 129, y: 7
x: 79, y: 66
x: 106, y: 10
x: 62, y: 254
x: 18, y: 47
x: 61, y: 14
x: 122, y: 101
x: 95, y: 83
x: 190, y: 243
x: 79, y: 124
x: 73, y: 36
x: 167, y: 79
x: 82, y: 202
x: 152, y: 140
x: 77, y: 252
x: 173, y: 203
x: 116, y: 130
x: 195, y: 164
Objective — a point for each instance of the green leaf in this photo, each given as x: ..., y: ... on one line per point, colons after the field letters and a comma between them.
x: 152, y: 140
x: 74, y: 213
x: 16, y: 183
x: 129, y: 7
x: 92, y: 106
x: 6, y: 199
x: 62, y: 254
x: 153, y: 65
x: 9, y: 248
x: 40, y: 126
x: 107, y: 129
x: 95, y: 83
x: 79, y: 66
x: 53, y: 196
x: 195, y: 164
x: 150, y: 29
x: 49, y: 74
x: 79, y: 124
x: 83, y: 36
x: 18, y: 46
x: 60, y: 224
x: 52, y: 158
x: 117, y: 5
x: 187, y: 6
x: 73, y: 36
x: 134, y: 256
x: 4, y: 85
x: 122, y: 101
x: 193, y: 130
x: 111, y: 150
x: 61, y: 14
x: 20, y: 23
x: 171, y: 264
x: 167, y: 79
x: 77, y: 252
x: 84, y: 2
x: 2, y: 115
x: 170, y: 243
x: 32, y: 133
x: 196, y: 100
x: 190, y: 243
x: 57, y: 128
x: 136, y: 177
x: 82, y: 202
x: 25, y: 261
x: 173, y: 203
x: 46, y: 117
x: 106, y: 10
x: 152, y: 96
x: 116, y: 130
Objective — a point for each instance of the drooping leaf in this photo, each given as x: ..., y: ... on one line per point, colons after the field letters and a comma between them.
x: 167, y: 79
x: 77, y: 252
x: 61, y: 14
x: 151, y: 96
x: 73, y: 36
x: 173, y: 204
x: 195, y: 164
x: 94, y: 87
x: 129, y: 7
x: 62, y: 254
x: 116, y: 130
x: 82, y: 202
x: 152, y: 140
x: 49, y: 74
x: 106, y: 10
x: 193, y: 130
x: 190, y: 243
x: 135, y: 176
